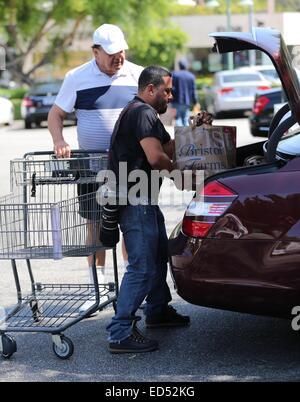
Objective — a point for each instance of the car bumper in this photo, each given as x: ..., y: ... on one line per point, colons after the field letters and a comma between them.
x: 229, y: 275
x: 36, y: 113
x: 259, y: 126
x: 41, y: 114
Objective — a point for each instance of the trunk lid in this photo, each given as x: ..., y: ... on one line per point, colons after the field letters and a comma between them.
x: 270, y: 42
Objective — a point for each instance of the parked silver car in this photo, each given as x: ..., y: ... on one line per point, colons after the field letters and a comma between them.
x: 267, y: 70
x: 234, y: 90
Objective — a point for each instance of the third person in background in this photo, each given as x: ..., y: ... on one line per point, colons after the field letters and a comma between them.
x: 184, y: 93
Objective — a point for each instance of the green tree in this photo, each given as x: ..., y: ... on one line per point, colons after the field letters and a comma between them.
x: 236, y: 8
x: 46, y: 29
x: 288, y: 5
x: 259, y: 6
x: 161, y: 47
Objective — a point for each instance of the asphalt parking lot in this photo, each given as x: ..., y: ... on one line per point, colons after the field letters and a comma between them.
x: 218, y: 345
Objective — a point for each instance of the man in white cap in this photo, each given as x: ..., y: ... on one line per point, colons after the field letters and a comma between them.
x: 98, y: 91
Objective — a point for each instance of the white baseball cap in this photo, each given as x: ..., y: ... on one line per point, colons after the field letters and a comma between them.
x: 110, y: 38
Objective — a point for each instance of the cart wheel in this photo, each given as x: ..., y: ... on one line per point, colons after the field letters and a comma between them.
x: 9, y: 346
x: 66, y: 350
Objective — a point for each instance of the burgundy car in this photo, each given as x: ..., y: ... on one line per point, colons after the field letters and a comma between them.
x: 238, y: 246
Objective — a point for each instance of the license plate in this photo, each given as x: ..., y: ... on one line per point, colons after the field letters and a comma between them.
x: 245, y: 91
x: 49, y: 100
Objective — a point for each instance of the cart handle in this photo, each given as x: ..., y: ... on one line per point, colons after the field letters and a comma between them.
x: 74, y: 151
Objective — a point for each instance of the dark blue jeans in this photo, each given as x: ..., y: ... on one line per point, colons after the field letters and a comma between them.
x: 146, y: 243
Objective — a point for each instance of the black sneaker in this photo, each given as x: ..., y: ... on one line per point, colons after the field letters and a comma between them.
x: 135, y: 343
x: 169, y: 318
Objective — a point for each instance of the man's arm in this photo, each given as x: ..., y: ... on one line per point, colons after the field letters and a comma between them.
x: 155, y: 154
x: 169, y: 148
x: 56, y: 118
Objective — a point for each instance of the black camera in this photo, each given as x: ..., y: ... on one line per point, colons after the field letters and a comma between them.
x: 109, y: 228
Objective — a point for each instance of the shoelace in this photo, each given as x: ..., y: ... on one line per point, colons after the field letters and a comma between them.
x: 138, y: 336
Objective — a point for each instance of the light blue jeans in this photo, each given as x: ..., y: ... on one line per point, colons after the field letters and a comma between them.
x: 146, y: 243
x: 182, y: 114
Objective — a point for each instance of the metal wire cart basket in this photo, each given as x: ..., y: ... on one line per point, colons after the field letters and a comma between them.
x: 52, y: 213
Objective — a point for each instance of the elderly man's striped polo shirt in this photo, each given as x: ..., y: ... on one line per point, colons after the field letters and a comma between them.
x: 98, y: 100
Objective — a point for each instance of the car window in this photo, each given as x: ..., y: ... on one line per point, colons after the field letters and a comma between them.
x: 44, y: 89
x: 241, y: 78
x: 269, y: 74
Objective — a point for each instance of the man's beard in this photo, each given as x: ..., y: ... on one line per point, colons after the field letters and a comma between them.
x: 162, y: 108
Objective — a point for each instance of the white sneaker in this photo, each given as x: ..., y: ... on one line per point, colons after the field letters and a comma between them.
x: 100, y: 274
x: 101, y: 277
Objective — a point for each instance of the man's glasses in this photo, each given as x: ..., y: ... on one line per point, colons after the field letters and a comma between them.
x: 168, y: 91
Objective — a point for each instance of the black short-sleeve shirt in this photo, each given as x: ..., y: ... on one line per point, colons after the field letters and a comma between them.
x: 138, y: 121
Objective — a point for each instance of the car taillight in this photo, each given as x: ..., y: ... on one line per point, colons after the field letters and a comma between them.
x: 260, y: 103
x: 216, y: 189
x: 206, y: 208
x: 27, y: 102
x: 195, y: 229
x: 225, y: 91
x: 263, y: 87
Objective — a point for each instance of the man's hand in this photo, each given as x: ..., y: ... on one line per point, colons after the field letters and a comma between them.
x: 203, y: 118
x: 196, y: 108
x: 62, y: 149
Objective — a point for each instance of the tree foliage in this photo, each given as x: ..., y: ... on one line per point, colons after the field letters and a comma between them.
x: 288, y: 5
x: 236, y: 8
x: 48, y: 28
x: 161, y: 47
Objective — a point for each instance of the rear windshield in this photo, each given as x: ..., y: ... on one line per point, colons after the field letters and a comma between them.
x: 242, y: 78
x: 44, y: 89
x: 270, y: 73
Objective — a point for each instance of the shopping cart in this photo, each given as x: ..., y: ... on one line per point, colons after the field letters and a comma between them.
x: 52, y: 213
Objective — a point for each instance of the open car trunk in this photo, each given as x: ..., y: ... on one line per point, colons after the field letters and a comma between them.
x: 270, y: 42
x: 250, y: 160
x: 266, y: 156
x: 238, y: 245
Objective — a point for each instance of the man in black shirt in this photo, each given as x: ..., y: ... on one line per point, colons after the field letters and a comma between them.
x: 141, y: 140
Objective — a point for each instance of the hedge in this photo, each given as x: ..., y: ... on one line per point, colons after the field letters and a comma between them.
x: 204, y: 81
x: 17, y: 93
x: 17, y: 108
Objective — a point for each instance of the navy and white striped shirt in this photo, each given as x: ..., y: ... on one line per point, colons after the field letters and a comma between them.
x: 98, y: 100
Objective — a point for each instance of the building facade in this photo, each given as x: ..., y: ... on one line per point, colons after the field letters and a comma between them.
x: 198, y: 47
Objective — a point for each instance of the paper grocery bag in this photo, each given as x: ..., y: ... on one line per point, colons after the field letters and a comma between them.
x: 208, y: 148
